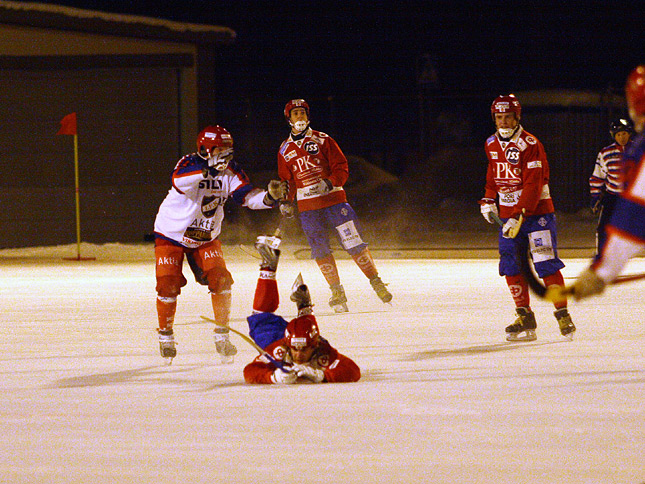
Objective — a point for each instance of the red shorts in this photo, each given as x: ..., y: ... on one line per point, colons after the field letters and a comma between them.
x: 207, y: 260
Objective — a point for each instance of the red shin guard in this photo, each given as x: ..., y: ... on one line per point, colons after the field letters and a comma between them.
x: 166, y: 309
x: 519, y: 290
x: 328, y: 268
x: 221, y: 307
x: 266, y: 297
x: 365, y: 262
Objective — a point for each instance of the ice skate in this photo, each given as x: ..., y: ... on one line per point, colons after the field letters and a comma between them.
x: 167, y: 345
x: 567, y: 328
x: 268, y: 248
x: 523, y: 329
x: 300, y: 295
x: 223, y: 345
x: 380, y: 288
x: 338, y: 300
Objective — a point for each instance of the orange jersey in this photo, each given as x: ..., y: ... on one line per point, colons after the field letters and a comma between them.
x: 518, y: 172
x: 305, y: 161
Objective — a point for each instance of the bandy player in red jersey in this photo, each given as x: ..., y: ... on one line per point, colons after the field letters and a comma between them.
x: 189, y: 222
x: 626, y: 228
x: 295, y: 350
x: 518, y: 178
x: 316, y: 170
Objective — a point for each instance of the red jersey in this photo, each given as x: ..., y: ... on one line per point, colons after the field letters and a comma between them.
x: 518, y: 172
x: 337, y: 368
x: 305, y: 161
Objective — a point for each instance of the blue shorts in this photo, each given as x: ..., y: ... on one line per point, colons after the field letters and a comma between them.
x: 537, y: 233
x: 265, y: 328
x: 316, y: 224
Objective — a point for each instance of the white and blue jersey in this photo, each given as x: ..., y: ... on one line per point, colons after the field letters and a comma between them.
x: 626, y: 229
x: 191, y: 215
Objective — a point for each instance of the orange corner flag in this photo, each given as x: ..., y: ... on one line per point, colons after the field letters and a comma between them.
x: 68, y: 124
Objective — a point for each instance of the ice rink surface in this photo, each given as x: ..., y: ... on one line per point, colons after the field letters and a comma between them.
x: 85, y: 397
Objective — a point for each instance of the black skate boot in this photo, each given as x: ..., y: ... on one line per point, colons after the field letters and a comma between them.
x: 300, y: 295
x: 338, y: 300
x: 523, y: 329
x: 267, y: 247
x: 380, y: 288
x: 567, y: 328
x: 167, y: 345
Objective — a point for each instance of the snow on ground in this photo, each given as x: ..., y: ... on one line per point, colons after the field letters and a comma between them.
x: 85, y: 398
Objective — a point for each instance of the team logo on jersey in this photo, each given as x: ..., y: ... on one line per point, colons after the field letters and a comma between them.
x: 289, y: 155
x: 311, y: 147
x: 209, y: 205
x: 344, y: 212
x: 279, y: 353
x: 493, y: 155
x: 542, y: 222
x: 512, y: 155
x: 531, y: 140
x: 534, y: 164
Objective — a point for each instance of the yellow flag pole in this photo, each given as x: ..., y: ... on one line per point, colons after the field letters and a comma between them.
x: 78, y: 206
x: 78, y: 199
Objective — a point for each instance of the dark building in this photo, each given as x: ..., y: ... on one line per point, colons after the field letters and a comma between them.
x: 141, y: 88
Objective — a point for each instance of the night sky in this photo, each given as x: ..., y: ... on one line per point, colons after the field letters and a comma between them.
x: 375, y: 48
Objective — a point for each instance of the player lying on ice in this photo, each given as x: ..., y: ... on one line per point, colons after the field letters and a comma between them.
x: 298, y: 351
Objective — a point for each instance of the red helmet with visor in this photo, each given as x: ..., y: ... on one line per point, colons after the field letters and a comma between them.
x: 302, y: 332
x: 506, y: 104
x: 295, y: 103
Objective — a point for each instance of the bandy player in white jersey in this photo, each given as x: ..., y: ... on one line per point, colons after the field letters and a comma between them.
x: 626, y: 228
x: 190, y: 220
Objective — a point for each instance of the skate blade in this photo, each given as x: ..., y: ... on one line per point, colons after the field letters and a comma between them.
x: 340, y: 308
x: 227, y: 360
x: 167, y: 360
x: 569, y: 336
x: 528, y: 335
x: 297, y: 283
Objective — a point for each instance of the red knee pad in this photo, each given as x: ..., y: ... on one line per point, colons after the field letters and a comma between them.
x: 170, y: 286
x: 219, y: 280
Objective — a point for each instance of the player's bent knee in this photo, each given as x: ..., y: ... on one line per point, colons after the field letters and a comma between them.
x: 219, y: 280
x: 170, y: 286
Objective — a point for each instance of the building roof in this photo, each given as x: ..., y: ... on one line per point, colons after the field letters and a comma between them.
x: 41, y: 15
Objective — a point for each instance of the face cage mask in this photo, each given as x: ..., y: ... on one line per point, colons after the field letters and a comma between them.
x: 506, y: 132
x: 300, y: 126
x: 220, y: 160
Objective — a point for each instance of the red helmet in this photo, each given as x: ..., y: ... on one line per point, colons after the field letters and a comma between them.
x: 295, y: 103
x: 635, y: 90
x: 506, y: 104
x: 212, y: 137
x: 302, y: 332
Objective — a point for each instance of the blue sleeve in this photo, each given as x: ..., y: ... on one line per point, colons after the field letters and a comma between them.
x: 265, y: 328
